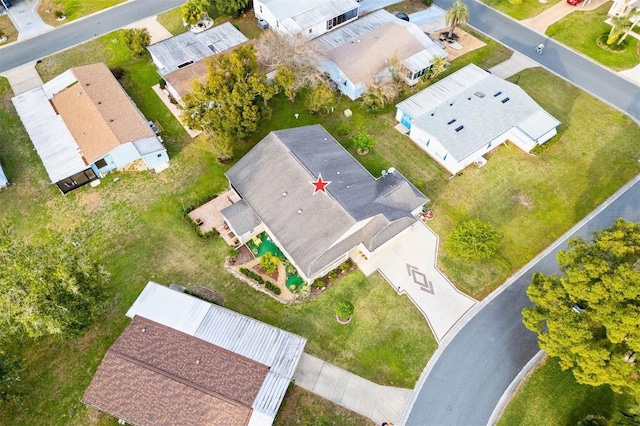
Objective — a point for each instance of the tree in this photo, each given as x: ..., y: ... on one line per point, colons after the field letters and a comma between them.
x: 234, y: 97
x: 286, y: 79
x: 52, y: 288
x: 320, y: 98
x: 363, y: 142
x: 269, y: 263
x: 379, y: 93
x: 137, y: 39
x: 296, y: 62
x: 344, y: 310
x: 221, y: 146
x: 619, y: 25
x: 230, y: 7
x: 588, y: 318
x: 438, y: 65
x: 472, y: 240
x: 456, y: 15
x: 634, y: 18
x: 193, y: 10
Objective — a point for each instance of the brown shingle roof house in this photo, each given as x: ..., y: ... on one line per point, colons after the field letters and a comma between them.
x: 83, y: 125
x: 156, y: 375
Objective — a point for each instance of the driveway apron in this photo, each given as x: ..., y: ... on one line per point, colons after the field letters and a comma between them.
x: 409, y: 264
x: 24, y: 15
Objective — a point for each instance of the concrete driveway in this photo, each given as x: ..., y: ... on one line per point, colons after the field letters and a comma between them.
x: 409, y: 264
x: 24, y: 15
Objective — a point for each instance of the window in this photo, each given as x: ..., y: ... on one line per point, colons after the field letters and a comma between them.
x: 505, y: 100
x: 185, y: 64
x: 101, y: 163
x: 340, y: 19
x: 419, y: 74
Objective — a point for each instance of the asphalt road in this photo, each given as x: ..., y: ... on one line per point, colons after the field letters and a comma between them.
x: 79, y: 31
x: 582, y: 72
x: 477, y: 366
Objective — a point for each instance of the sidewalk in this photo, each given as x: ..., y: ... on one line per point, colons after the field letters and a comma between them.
x: 379, y: 403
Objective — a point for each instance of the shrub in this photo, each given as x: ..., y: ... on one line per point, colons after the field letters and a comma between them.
x: 269, y: 263
x: 428, y: 3
x: 117, y: 72
x: 345, y: 266
x: 319, y: 283
x: 472, y: 240
x: 344, y: 309
x: 304, y: 292
x: 272, y: 287
x: 343, y: 129
x: 320, y: 98
x: 58, y: 14
x: 363, y: 141
x: 137, y: 39
x: 254, y: 276
x: 593, y: 420
x: 162, y: 83
x: 333, y: 275
x: 207, y: 294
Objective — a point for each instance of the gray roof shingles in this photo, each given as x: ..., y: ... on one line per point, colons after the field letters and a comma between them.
x: 307, y: 225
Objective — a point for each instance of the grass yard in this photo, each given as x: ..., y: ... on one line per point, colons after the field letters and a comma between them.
x: 172, y: 21
x: 8, y: 29
x: 551, y: 396
x: 136, y: 227
x: 520, y: 9
x: 246, y: 22
x: 72, y: 9
x: 580, y: 30
x: 301, y: 407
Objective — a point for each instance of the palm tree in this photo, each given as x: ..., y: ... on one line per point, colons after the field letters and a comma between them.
x: 193, y: 10
x: 634, y: 17
x: 455, y: 15
x: 619, y: 25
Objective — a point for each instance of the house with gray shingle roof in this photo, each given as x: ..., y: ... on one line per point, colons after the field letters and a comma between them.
x: 469, y: 113
x: 368, y: 48
x: 185, y: 361
x: 318, y: 230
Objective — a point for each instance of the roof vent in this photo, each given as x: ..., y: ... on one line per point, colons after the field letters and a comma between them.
x: 497, y: 94
x: 299, y: 211
x: 87, y: 84
x: 452, y: 121
x: 451, y: 104
x: 479, y: 94
x: 459, y: 128
x: 337, y: 173
x: 99, y: 102
x: 505, y: 100
x: 197, y: 361
x: 284, y: 194
x: 111, y: 120
x: 144, y: 329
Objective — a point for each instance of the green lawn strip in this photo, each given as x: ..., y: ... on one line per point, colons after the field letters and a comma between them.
x: 73, y: 9
x: 580, y: 30
x: 522, y: 9
x: 550, y: 396
x: 172, y: 21
x: 301, y: 407
x: 8, y: 29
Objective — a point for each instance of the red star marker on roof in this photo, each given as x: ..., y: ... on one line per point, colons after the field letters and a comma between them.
x: 320, y: 185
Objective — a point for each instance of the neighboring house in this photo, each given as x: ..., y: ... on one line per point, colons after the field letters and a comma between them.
x: 277, y: 182
x: 623, y: 7
x: 308, y: 18
x: 4, y: 182
x: 83, y: 125
x: 185, y: 361
x: 469, y: 113
x: 368, y: 48
x: 180, y: 59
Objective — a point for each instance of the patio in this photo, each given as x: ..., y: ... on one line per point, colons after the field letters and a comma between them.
x: 208, y: 216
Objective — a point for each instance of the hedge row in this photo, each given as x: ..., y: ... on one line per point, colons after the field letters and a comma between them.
x: 256, y: 277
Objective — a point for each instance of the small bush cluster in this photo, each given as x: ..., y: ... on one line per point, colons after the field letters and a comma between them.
x: 205, y: 294
x: 319, y: 283
x: 344, y: 309
x: 333, y: 275
x: 257, y: 278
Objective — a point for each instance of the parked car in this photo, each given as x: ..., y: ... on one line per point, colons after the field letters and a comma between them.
x: 402, y: 16
x: 574, y: 2
x: 6, y: 3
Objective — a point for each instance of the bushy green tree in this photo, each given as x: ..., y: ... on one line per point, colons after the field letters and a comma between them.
x: 344, y: 309
x: 53, y: 288
x: 231, y: 7
x: 320, y: 98
x: 472, y: 240
x: 193, y: 11
x: 234, y: 97
x: 363, y: 141
x: 269, y: 263
x: 137, y: 39
x: 589, y: 317
x: 438, y: 65
x: 287, y: 79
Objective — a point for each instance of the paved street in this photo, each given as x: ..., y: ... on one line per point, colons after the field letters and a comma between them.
x: 467, y: 377
x: 68, y: 35
x: 582, y: 72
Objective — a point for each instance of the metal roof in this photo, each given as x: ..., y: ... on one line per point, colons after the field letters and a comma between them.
x: 468, y: 109
x: 149, y: 145
x: 316, y: 12
x: 54, y: 143
x: 193, y: 47
x: 276, y: 348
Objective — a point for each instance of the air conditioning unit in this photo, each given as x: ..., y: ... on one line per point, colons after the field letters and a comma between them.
x: 480, y: 162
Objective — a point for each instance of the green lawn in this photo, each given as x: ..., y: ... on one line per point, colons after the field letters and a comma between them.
x: 580, y: 30
x: 246, y: 23
x: 172, y: 21
x: 8, y: 29
x: 73, y: 9
x: 136, y: 227
x: 551, y: 396
x: 521, y: 9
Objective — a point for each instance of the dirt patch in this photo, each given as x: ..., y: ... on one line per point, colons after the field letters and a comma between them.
x: 524, y: 200
x: 469, y: 43
x: 90, y: 201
